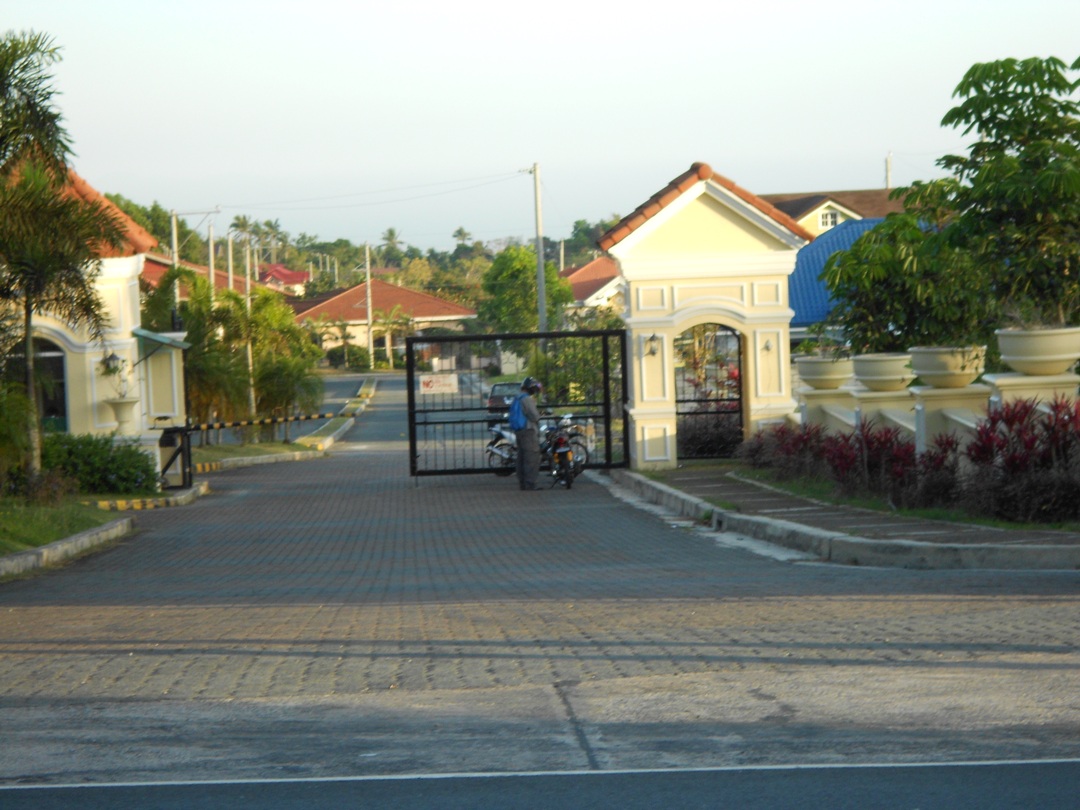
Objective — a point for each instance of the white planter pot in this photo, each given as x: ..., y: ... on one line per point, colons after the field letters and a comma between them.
x: 824, y: 373
x: 1040, y: 352
x: 948, y: 366
x: 123, y: 409
x: 884, y: 371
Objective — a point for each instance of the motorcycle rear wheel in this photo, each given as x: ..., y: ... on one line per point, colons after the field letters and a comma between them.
x: 500, y: 465
x: 566, y: 471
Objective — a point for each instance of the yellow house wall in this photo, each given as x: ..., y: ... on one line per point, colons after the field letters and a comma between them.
x: 157, y: 382
x: 704, y: 263
x: 812, y: 221
x: 705, y: 226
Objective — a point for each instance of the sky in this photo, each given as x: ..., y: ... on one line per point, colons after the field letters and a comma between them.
x: 344, y: 119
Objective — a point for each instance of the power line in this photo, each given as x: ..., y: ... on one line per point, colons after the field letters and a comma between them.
x: 298, y: 205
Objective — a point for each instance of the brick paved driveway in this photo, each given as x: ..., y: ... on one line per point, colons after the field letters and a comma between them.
x: 343, y: 580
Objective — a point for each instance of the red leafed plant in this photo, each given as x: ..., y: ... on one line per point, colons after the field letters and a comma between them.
x: 1025, y: 462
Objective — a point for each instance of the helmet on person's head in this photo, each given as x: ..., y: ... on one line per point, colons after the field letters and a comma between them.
x: 532, y: 385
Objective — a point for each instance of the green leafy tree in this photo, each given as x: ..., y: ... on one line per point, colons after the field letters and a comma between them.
x: 581, y: 247
x: 510, y: 289
x: 902, y: 284
x: 1016, y: 195
x: 215, y: 371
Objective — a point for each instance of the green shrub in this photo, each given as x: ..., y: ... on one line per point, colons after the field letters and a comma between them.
x: 99, y: 465
x: 359, y: 360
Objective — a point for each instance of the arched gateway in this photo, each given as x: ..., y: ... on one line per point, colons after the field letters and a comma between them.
x: 701, y: 251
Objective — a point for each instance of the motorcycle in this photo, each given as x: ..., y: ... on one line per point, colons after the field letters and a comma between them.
x: 501, y: 451
x: 562, y: 452
x: 566, y: 457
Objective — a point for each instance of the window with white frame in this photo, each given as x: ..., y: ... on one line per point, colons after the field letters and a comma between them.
x: 828, y: 219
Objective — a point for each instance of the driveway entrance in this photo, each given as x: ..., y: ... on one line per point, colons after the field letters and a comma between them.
x: 451, y: 380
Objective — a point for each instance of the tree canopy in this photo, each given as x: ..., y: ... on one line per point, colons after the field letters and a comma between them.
x: 999, y: 236
x: 509, y: 285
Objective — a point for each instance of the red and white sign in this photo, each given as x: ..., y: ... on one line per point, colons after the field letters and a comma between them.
x: 438, y: 383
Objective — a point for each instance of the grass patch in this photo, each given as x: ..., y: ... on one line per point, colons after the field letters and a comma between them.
x: 24, y: 526
x: 217, y: 452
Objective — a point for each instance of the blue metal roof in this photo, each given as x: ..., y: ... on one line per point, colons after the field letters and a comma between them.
x: 807, y: 294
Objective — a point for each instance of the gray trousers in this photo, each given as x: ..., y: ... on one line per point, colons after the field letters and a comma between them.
x: 528, y: 458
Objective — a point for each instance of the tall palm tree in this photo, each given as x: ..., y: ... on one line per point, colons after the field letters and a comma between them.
x: 51, y: 240
x: 28, y: 122
x: 51, y: 243
x: 392, y: 323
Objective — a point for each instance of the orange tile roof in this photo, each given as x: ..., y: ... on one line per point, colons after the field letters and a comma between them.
x: 138, y: 238
x: 589, y: 278
x: 282, y: 274
x: 679, y: 186
x: 351, y: 305
x: 156, y: 265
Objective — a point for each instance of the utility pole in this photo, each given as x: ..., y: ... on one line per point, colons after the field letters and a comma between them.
x: 888, y: 170
x: 370, y: 317
x: 541, y: 286
x: 247, y: 303
x: 175, y: 239
x: 229, y: 259
x: 210, y: 263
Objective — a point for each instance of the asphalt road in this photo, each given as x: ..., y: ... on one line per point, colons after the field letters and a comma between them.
x: 336, y: 619
x: 1046, y: 786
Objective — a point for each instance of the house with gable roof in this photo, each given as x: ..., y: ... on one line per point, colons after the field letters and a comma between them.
x: 134, y: 382
x: 596, y: 284
x: 281, y: 278
x: 819, y: 211
x: 704, y: 250
x: 349, y: 306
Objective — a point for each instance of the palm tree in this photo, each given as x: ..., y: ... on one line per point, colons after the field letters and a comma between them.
x: 51, y: 240
x: 342, y: 327
x: 461, y: 235
x: 28, y: 122
x: 391, y: 323
x: 391, y: 239
x: 51, y: 243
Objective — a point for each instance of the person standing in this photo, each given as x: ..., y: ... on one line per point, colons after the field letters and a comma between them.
x: 528, y: 437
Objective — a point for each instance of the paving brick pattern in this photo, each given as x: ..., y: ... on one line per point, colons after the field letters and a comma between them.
x: 344, y: 576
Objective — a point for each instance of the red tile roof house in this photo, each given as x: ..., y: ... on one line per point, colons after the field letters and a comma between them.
x: 596, y: 284
x: 158, y: 264
x: 423, y: 311
x: 281, y: 278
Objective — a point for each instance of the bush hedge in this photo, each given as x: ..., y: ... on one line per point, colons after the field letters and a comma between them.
x: 1023, y: 464
x: 97, y: 464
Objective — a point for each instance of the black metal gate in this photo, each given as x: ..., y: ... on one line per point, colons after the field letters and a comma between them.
x: 708, y: 392
x: 457, y: 387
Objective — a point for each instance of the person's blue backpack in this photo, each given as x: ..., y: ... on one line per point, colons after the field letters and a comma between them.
x: 517, y: 414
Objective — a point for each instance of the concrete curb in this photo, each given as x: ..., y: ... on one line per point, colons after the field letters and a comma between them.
x: 61, y: 550
x: 353, y: 408
x: 158, y: 502
x: 846, y: 549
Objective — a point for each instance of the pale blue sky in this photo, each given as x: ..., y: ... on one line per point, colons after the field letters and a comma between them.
x: 342, y: 119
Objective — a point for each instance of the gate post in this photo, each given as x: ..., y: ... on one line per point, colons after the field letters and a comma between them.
x: 652, y: 400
